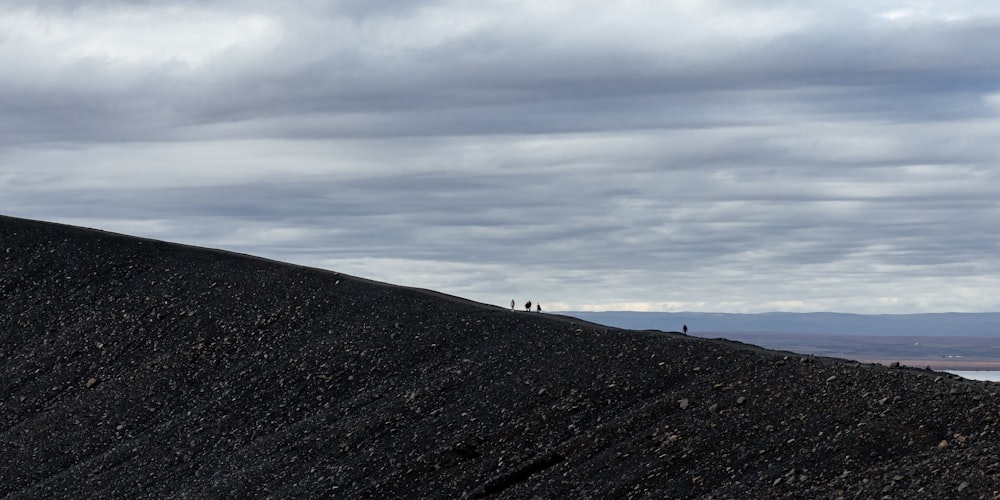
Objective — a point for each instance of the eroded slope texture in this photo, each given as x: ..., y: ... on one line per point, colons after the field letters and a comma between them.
x: 134, y: 368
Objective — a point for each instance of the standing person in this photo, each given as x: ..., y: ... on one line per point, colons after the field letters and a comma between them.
x: 539, y: 306
x: 685, y: 329
x: 511, y: 304
x: 527, y: 307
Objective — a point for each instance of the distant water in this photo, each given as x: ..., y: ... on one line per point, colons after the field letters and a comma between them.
x: 910, y: 325
x: 991, y: 376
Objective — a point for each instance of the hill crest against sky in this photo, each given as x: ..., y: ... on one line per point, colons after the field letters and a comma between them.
x: 138, y: 368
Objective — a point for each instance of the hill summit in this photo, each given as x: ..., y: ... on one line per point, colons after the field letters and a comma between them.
x: 137, y: 368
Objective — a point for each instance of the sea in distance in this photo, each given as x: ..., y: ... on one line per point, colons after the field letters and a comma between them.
x: 987, y: 375
x: 964, y: 344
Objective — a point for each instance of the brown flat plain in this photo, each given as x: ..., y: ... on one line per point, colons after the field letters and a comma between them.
x: 936, y: 352
x: 938, y: 364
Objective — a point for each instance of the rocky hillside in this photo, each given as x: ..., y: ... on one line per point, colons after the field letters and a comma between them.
x: 134, y: 368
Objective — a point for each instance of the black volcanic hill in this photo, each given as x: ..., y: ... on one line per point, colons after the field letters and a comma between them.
x: 134, y: 368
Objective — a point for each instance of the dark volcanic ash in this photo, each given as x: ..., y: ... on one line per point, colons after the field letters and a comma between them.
x: 135, y: 368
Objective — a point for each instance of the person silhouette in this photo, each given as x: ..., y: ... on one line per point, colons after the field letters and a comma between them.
x: 511, y: 304
x: 685, y: 329
x: 527, y: 307
x: 539, y: 306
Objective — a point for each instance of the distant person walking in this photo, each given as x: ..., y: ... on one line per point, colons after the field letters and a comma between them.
x: 539, y: 306
x: 527, y: 307
x: 511, y: 304
x: 685, y: 329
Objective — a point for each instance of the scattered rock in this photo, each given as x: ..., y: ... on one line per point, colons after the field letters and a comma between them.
x: 284, y: 385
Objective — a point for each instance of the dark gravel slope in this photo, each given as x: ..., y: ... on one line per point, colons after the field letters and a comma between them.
x: 134, y: 368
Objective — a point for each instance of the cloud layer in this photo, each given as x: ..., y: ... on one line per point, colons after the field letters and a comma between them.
x: 713, y: 156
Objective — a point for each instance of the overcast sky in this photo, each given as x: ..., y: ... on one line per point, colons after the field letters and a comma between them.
x: 732, y: 156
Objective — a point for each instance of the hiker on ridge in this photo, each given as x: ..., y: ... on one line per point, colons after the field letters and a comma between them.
x: 527, y: 307
x: 539, y: 306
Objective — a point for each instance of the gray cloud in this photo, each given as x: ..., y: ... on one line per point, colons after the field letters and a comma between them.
x: 712, y: 156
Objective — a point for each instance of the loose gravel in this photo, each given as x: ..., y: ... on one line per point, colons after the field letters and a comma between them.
x: 135, y: 368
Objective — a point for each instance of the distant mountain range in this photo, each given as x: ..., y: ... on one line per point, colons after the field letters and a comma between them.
x: 825, y: 323
x: 135, y: 368
x: 947, y: 341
